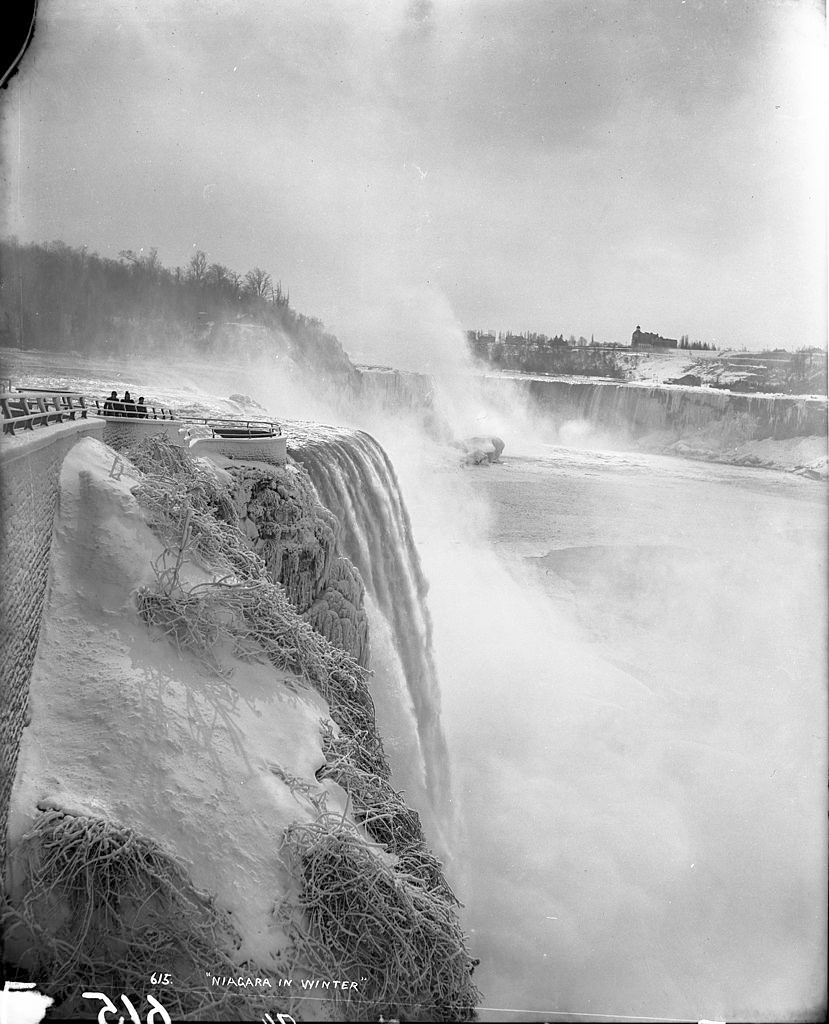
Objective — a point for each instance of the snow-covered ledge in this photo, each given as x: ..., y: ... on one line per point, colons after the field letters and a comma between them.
x: 27, y: 442
x: 125, y: 430
x: 245, y: 449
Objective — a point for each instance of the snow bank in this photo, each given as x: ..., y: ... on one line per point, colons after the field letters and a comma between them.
x: 126, y: 729
x: 806, y: 456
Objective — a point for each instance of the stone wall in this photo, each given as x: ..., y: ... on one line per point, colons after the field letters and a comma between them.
x: 246, y: 449
x: 120, y: 432
x: 30, y: 466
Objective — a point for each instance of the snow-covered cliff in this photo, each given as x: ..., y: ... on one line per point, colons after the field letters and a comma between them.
x: 201, y: 788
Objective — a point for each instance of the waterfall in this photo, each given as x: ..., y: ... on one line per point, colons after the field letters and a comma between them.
x: 394, y: 389
x: 631, y: 409
x: 637, y: 409
x: 356, y: 481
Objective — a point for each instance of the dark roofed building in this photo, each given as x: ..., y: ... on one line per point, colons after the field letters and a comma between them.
x: 643, y: 339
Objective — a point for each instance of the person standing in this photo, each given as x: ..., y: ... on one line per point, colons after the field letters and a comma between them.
x: 128, y: 405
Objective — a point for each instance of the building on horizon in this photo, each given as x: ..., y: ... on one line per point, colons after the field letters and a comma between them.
x: 643, y: 339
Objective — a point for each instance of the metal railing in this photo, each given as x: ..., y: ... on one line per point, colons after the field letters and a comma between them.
x: 31, y: 407
x: 46, y: 391
x: 236, y: 428
x: 220, y: 427
x: 23, y: 411
x: 132, y: 410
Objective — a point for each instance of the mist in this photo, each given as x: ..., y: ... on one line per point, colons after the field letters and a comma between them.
x: 628, y: 710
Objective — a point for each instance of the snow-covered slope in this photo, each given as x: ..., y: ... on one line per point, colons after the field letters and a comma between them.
x: 201, y: 778
x: 126, y: 728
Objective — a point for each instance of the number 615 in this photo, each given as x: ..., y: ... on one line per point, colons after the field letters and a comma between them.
x: 110, y: 1007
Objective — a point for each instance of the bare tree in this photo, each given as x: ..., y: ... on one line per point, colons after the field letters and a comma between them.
x: 278, y: 297
x: 217, y: 274
x: 197, y: 267
x: 235, y: 283
x: 258, y: 283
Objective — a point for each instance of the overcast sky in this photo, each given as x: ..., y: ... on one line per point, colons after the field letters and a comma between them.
x: 408, y: 167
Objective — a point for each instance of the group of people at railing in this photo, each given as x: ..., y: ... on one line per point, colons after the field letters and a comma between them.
x: 22, y: 409
x: 115, y: 406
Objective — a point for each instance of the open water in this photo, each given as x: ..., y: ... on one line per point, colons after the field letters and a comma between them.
x: 632, y: 654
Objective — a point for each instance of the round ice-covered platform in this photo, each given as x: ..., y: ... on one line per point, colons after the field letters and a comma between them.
x: 247, y: 449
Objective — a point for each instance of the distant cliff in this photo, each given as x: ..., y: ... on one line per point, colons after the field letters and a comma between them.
x: 536, y: 353
x: 62, y: 299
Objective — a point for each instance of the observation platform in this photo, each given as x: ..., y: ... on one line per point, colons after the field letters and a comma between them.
x: 125, y: 423
x: 242, y: 440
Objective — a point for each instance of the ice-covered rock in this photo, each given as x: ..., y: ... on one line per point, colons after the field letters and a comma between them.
x: 296, y: 536
x: 482, y: 449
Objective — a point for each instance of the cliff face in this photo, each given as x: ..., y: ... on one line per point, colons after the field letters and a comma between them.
x: 191, y: 744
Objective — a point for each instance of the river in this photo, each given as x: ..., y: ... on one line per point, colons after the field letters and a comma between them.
x: 632, y: 654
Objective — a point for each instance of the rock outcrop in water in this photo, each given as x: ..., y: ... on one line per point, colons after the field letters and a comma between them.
x: 480, y: 450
